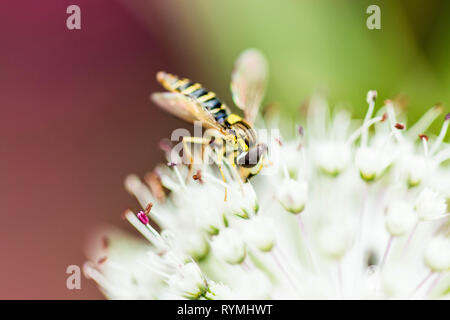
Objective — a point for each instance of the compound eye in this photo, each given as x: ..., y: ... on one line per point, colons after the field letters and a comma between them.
x: 251, y: 158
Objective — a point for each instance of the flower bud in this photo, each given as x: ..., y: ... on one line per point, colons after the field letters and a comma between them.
x: 371, y: 162
x: 371, y: 96
x: 292, y: 159
x: 188, y: 281
x: 239, y: 205
x: 219, y: 291
x: 400, y: 218
x: 208, y: 220
x: 430, y: 205
x: 437, y: 254
x: 292, y: 195
x: 196, y: 245
x: 332, y: 157
x: 415, y: 168
x: 333, y: 241
x: 259, y: 232
x: 396, y: 280
x: 255, y: 285
x: 229, y: 246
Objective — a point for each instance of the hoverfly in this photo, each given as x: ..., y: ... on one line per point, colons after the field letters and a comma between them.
x: 191, y: 102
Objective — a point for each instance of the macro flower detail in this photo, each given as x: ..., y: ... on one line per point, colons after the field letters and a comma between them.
x: 430, y: 205
x: 229, y: 246
x: 346, y: 209
x: 437, y: 254
x: 400, y: 218
x: 292, y: 195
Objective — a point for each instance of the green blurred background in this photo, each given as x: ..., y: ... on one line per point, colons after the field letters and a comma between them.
x: 320, y: 44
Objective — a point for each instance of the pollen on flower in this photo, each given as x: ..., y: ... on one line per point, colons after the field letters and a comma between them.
x: 172, y: 164
x: 198, y: 176
x: 399, y: 126
x: 143, y: 217
x: 148, y: 208
x: 423, y: 137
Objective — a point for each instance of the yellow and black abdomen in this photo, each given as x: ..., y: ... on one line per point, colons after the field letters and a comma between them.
x: 207, y: 99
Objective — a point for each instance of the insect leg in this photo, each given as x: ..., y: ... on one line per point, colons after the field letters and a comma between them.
x: 219, y: 164
x: 195, y: 140
x: 232, y: 159
x: 203, y: 142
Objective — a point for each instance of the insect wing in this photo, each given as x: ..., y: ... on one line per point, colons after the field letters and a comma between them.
x: 185, y: 108
x: 248, y: 82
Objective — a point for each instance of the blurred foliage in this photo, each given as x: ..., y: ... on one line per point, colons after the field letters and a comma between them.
x: 322, y: 44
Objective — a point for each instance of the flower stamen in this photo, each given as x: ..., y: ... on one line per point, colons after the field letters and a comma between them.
x: 442, y: 134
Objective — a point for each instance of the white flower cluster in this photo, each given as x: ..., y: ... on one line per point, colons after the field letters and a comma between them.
x: 353, y: 210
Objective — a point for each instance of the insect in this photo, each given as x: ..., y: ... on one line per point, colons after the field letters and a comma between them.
x: 191, y: 102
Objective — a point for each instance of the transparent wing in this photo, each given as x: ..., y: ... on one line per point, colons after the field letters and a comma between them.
x: 185, y: 108
x: 248, y: 82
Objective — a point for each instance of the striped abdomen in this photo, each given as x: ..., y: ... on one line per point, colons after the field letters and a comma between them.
x: 196, y: 91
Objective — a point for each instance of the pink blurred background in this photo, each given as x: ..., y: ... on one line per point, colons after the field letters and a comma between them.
x: 75, y: 120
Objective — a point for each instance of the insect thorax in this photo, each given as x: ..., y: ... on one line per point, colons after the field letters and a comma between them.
x: 244, y: 133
